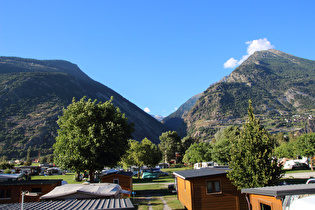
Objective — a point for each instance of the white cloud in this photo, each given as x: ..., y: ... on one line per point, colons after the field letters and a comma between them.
x: 254, y: 45
x: 231, y: 63
x: 147, y: 110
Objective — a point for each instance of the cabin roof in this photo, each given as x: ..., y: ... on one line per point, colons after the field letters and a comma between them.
x: 297, y: 189
x: 200, y: 173
x: 30, y: 182
x: 74, y: 204
x: 124, y: 173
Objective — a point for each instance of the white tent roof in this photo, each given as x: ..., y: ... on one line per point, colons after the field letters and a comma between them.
x: 306, y: 203
x: 79, y: 191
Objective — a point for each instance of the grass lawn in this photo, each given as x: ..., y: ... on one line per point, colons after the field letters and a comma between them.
x: 154, y: 195
x: 69, y: 177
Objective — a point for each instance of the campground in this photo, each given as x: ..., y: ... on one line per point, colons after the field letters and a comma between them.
x: 154, y: 194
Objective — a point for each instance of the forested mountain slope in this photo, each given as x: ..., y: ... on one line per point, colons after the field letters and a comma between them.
x: 281, y: 87
x: 33, y: 93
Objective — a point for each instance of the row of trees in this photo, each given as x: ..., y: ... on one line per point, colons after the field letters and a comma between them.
x: 93, y: 135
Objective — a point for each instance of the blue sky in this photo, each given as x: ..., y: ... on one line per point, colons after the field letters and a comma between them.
x: 156, y: 54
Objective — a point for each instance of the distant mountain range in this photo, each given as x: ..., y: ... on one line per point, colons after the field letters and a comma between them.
x: 33, y: 94
x: 281, y: 87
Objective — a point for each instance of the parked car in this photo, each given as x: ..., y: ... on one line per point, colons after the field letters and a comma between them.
x: 150, y: 175
x: 161, y: 173
x: 300, y: 166
x: 310, y: 181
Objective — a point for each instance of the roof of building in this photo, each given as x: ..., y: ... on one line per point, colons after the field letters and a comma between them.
x: 124, y: 173
x: 297, y: 189
x: 200, y: 173
x: 73, y: 204
x: 84, y: 191
x: 30, y: 182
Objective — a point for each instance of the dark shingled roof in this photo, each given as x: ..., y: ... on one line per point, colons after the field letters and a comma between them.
x: 297, y: 189
x: 30, y: 182
x: 199, y: 173
x: 73, y: 204
x: 117, y: 172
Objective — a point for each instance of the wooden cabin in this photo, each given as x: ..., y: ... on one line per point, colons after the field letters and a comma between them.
x: 208, y: 188
x: 277, y: 197
x: 11, y: 191
x: 124, y: 179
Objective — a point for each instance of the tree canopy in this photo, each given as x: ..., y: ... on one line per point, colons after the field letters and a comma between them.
x: 142, y: 153
x: 91, y: 135
x: 198, y: 152
x: 223, y: 144
x: 170, y: 144
x: 252, y: 161
x: 306, y: 146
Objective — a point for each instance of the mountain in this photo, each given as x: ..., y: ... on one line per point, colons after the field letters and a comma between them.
x: 281, y: 87
x: 33, y: 94
x: 158, y: 117
x: 176, y: 119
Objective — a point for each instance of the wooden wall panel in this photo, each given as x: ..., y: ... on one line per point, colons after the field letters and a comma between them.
x: 255, y: 201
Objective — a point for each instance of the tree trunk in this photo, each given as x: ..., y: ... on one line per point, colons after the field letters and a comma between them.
x: 77, y: 176
x: 311, y: 159
x: 91, y: 173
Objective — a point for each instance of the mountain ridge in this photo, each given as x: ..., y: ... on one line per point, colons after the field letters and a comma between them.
x: 33, y: 93
x: 279, y: 84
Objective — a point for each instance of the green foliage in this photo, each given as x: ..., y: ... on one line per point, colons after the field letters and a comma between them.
x: 91, y: 135
x: 142, y: 153
x: 306, y: 145
x: 170, y: 144
x: 198, y: 152
x: 252, y: 161
x: 286, y: 150
x: 43, y: 159
x: 223, y: 144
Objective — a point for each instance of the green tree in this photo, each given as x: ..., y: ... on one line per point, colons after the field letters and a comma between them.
x: 252, y: 161
x: 169, y: 145
x: 28, y: 161
x: 142, y: 153
x: 223, y: 144
x: 306, y: 146
x: 286, y: 150
x: 187, y: 141
x: 198, y: 152
x: 151, y: 154
x: 91, y: 135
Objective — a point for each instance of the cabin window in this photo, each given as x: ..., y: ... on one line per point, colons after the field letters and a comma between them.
x: 116, y: 181
x: 213, y: 186
x: 5, y: 193
x: 264, y: 206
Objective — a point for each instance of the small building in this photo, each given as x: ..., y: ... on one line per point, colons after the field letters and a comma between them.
x: 124, y: 179
x: 11, y: 191
x: 208, y: 188
x: 277, y: 197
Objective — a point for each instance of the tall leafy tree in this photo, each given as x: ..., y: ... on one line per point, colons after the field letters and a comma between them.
x: 252, y: 161
x: 223, y: 144
x: 306, y: 146
x: 198, y: 152
x: 170, y: 144
x: 142, y: 153
x: 91, y: 135
x: 286, y: 150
